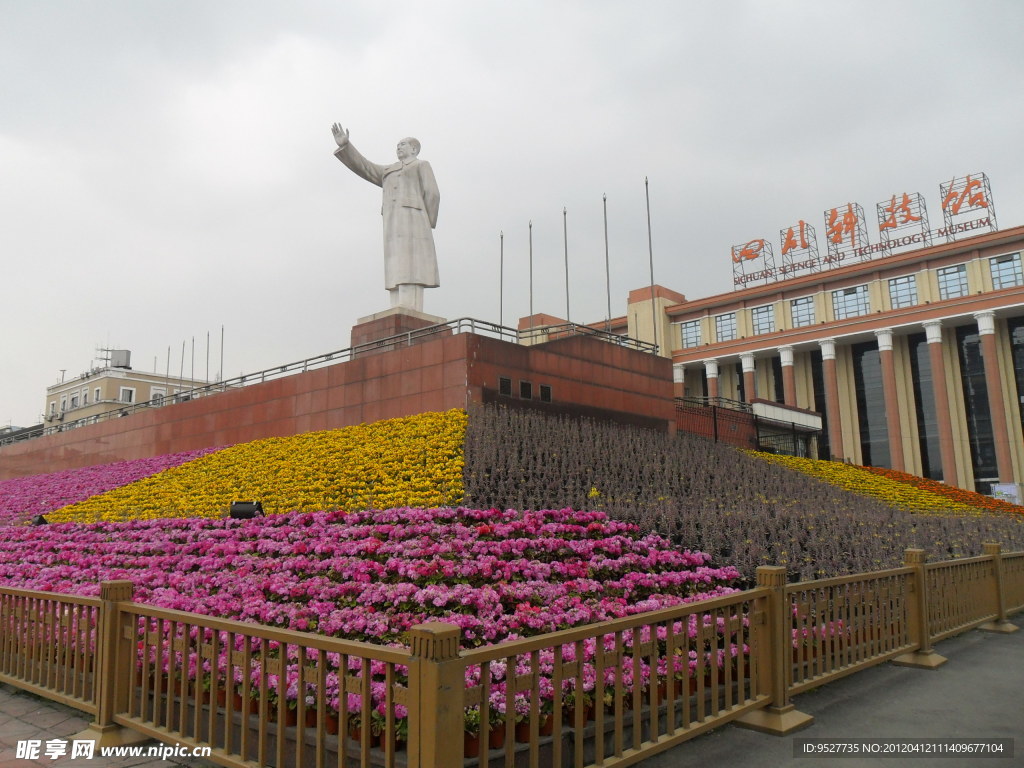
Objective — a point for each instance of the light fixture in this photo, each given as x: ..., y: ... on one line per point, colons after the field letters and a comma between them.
x: 246, y: 510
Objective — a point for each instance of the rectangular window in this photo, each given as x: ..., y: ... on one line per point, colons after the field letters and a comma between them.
x: 63, y: 402
x: 526, y: 390
x: 505, y: 386
x: 127, y: 395
x: 952, y: 281
x: 903, y: 291
x: 74, y: 401
x: 725, y: 327
x: 1006, y: 271
x: 53, y: 407
x: 803, y: 311
x: 976, y: 407
x: 157, y: 395
x: 85, y: 397
x: 690, y: 333
x: 763, y: 318
x: 850, y: 302
x: 545, y: 393
x: 96, y: 395
x: 871, y: 416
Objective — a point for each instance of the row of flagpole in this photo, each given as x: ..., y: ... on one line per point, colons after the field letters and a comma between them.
x: 565, y: 243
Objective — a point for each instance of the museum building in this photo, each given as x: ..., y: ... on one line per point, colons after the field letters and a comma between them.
x: 915, y: 360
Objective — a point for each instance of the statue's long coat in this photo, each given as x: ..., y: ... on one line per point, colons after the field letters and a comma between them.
x: 409, y: 209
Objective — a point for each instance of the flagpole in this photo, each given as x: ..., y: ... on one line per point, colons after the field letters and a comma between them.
x: 607, y: 270
x: 650, y: 250
x: 531, y: 276
x: 565, y: 240
x: 501, y: 279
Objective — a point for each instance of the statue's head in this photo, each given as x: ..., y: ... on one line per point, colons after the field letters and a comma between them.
x: 408, y: 148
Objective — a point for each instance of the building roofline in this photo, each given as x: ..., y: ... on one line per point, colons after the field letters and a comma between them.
x: 744, y: 295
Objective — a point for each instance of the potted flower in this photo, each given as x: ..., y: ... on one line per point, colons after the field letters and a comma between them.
x: 471, y: 728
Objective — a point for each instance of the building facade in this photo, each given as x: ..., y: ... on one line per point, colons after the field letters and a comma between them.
x: 915, y: 360
x: 110, y: 388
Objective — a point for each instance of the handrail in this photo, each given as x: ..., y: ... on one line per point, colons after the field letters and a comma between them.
x: 720, y: 402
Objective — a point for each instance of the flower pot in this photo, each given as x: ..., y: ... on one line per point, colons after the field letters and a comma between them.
x: 311, y: 718
x: 523, y: 731
x: 693, y: 684
x: 331, y: 723
x: 496, y: 737
x: 547, y: 725
x: 355, y: 732
x: 471, y: 745
x: 589, y: 713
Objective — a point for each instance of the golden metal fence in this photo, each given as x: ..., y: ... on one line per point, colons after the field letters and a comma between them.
x: 844, y: 624
x: 1013, y: 582
x: 607, y: 694
x: 48, y: 645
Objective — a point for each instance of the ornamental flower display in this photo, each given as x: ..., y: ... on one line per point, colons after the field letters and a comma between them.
x: 497, y: 575
x: 734, y: 505
x: 883, y: 486
x: 22, y: 497
x: 371, y: 575
x: 413, y: 461
x: 983, y: 504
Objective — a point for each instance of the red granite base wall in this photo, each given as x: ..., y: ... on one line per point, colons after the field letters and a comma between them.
x: 585, y: 375
x: 426, y: 377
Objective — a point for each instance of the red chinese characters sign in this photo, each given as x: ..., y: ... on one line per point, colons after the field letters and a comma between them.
x: 751, y: 261
x: 845, y: 231
x: 902, y: 223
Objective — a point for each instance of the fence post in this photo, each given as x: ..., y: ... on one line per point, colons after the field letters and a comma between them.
x: 1000, y: 624
x: 436, y: 692
x: 115, y: 669
x: 917, y: 615
x: 775, y: 659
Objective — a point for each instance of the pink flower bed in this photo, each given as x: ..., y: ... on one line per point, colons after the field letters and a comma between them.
x: 370, y: 576
x: 23, y: 497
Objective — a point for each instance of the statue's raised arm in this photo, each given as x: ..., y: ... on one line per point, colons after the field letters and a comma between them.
x: 410, y: 205
x: 340, y: 135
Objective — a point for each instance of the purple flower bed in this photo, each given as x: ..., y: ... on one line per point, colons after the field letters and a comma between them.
x: 370, y: 576
x: 22, y: 497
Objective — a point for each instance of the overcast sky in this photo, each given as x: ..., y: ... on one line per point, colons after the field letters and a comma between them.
x: 166, y: 168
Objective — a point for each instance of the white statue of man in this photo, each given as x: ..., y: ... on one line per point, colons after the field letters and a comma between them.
x: 410, y: 213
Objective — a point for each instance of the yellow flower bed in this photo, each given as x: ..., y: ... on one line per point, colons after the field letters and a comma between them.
x: 415, y: 461
x: 856, y: 479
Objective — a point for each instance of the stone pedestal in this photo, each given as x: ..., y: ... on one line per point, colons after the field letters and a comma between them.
x: 393, y: 328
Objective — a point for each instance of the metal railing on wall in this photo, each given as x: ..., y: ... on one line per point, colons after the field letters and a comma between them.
x: 618, y: 690
x: 734, y: 423
x: 461, y: 325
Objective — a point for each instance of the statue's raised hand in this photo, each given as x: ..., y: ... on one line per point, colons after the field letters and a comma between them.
x: 340, y: 135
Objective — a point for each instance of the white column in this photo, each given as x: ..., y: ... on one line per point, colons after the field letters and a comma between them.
x: 711, y: 369
x: 933, y: 334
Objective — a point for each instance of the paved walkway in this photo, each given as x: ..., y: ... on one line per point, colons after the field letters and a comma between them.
x: 977, y: 695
